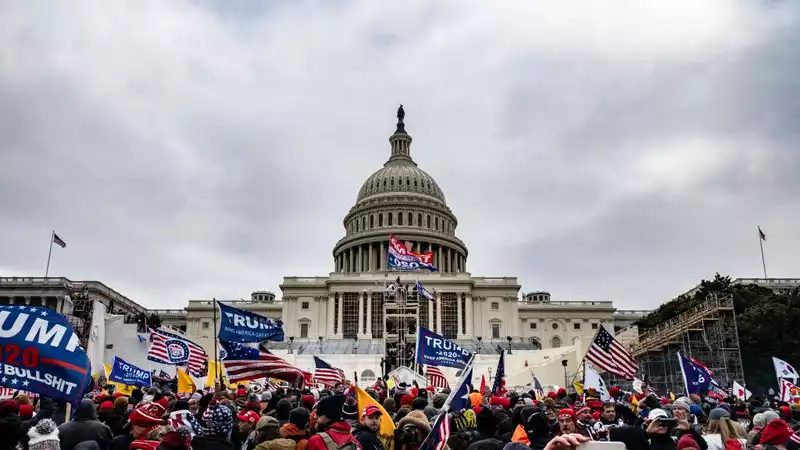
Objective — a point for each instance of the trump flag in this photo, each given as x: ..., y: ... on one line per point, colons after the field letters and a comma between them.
x: 238, y: 325
x: 39, y: 352
x: 436, y: 350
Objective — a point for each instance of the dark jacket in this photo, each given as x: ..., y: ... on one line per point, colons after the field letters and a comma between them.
x: 84, y: 427
x: 210, y: 443
x: 368, y: 438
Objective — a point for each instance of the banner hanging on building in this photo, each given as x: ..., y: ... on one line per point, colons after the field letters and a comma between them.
x: 238, y: 325
x: 435, y: 350
x: 39, y: 352
x: 126, y: 373
x: 403, y: 257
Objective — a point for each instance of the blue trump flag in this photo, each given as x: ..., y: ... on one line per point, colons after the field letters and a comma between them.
x: 435, y: 350
x: 39, y: 352
x: 457, y: 401
x: 696, y: 378
x: 238, y: 325
x: 127, y: 373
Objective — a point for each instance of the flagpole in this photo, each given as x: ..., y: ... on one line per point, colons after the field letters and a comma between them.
x: 216, y: 345
x: 760, y: 244
x: 53, y: 234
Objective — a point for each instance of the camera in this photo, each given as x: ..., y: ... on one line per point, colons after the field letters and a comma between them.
x: 406, y: 435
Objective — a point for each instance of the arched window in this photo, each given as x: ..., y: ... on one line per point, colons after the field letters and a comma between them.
x: 535, y: 343
x: 380, y: 220
x: 389, y: 219
x: 555, y: 342
x: 429, y: 221
x: 372, y: 221
x: 368, y: 375
x: 356, y: 224
x: 419, y: 220
x: 410, y: 218
x: 436, y: 220
x: 399, y: 218
x: 363, y: 223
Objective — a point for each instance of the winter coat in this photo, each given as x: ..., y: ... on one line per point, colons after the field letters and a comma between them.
x: 714, y: 442
x: 11, y: 431
x: 210, y: 443
x: 339, y: 433
x: 295, y: 433
x: 277, y: 444
x: 368, y: 438
x: 84, y: 427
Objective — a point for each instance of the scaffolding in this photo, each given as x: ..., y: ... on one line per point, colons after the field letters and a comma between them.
x: 707, y: 333
x: 400, y: 321
x: 81, y: 316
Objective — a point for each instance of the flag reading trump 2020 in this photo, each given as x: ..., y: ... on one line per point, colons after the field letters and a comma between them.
x: 39, y: 352
x: 402, y: 256
x: 238, y: 325
x: 126, y: 373
x: 436, y: 350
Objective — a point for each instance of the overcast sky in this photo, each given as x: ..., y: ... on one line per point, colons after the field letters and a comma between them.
x: 618, y: 150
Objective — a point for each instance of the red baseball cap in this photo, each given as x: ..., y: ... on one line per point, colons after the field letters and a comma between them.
x: 249, y: 416
x: 372, y: 410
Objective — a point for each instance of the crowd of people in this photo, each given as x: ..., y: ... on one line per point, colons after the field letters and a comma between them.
x: 252, y: 418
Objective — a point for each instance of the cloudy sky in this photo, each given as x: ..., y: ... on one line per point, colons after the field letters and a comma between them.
x: 612, y: 151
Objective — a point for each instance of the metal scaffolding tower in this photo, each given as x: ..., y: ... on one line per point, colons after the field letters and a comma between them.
x: 81, y: 316
x: 401, y: 318
x: 707, y: 333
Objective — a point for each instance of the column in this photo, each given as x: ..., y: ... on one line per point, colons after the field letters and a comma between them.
x: 450, y: 267
x: 368, y: 331
x: 439, y: 312
x: 360, y: 259
x: 339, y: 331
x: 360, y: 329
x: 371, y: 268
x: 430, y: 315
x: 382, y: 260
x: 460, y: 329
x: 352, y: 258
x: 468, y: 331
x: 329, y: 321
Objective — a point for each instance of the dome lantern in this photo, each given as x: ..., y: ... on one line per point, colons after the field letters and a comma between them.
x: 400, y: 141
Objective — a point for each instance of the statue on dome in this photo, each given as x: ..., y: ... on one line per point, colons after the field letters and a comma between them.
x: 401, y: 114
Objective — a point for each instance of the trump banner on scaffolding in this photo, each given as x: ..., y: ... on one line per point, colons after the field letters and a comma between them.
x: 238, y: 325
x: 39, y: 352
x: 126, y: 373
x: 435, y: 350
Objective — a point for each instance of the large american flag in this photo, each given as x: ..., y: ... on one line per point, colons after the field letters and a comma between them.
x: 608, y: 354
x: 174, y: 350
x: 327, y: 374
x: 247, y: 363
x: 436, y: 378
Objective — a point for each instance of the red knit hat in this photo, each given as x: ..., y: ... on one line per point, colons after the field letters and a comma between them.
x: 164, y: 402
x: 665, y: 401
x: 615, y: 391
x: 562, y: 392
x: 583, y: 409
x: 25, y: 412
x: 596, y: 415
x: 687, y: 441
x: 106, y: 406
x: 241, y: 392
x: 777, y: 432
x: 505, y: 402
x: 552, y: 395
x: 566, y: 412
x: 8, y: 407
x: 407, y: 399
x: 147, y: 414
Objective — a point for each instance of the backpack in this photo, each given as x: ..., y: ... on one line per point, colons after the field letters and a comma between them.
x: 332, y: 445
x: 734, y: 444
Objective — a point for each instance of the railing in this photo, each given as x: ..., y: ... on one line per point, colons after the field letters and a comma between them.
x: 503, y: 281
x: 767, y: 281
x: 235, y: 302
x: 69, y: 284
x: 168, y: 312
x: 631, y: 313
x: 607, y: 304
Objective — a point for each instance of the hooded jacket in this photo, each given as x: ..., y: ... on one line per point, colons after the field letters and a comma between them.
x: 339, y: 433
x: 84, y: 427
x: 368, y: 438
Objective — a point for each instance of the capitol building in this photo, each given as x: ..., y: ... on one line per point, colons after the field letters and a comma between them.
x: 355, y: 320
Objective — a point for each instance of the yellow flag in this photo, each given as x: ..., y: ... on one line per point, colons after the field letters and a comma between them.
x: 386, y: 430
x: 185, y: 383
x: 123, y: 389
x: 634, y: 403
x: 578, y: 387
x: 672, y: 396
x: 213, y: 366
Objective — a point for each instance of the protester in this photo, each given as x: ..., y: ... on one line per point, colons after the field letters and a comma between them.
x: 84, y: 427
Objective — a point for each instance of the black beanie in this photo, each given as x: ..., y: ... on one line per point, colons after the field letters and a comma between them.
x: 419, y: 403
x: 331, y: 407
x: 299, y: 417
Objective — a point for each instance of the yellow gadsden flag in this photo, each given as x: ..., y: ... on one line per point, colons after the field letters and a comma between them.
x: 386, y: 430
x: 185, y: 383
x: 213, y: 367
x: 123, y: 389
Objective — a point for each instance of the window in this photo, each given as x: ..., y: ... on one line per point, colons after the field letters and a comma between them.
x: 304, y: 305
x: 419, y: 220
x: 368, y: 375
x: 594, y: 326
x: 303, y: 331
x: 576, y: 326
x: 555, y: 326
x: 372, y: 221
x: 389, y: 218
x: 533, y: 325
x: 495, y: 331
x: 436, y: 221
x: 495, y: 306
x: 410, y: 218
x: 555, y: 342
x: 363, y: 223
x: 356, y: 224
x: 429, y: 221
x: 380, y: 220
x: 205, y: 325
x: 399, y: 218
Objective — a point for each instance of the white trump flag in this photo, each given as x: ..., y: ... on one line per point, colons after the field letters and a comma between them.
x: 740, y: 391
x: 784, y: 370
x: 592, y: 379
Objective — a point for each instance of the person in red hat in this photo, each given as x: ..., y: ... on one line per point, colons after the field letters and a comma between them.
x: 776, y: 434
x: 567, y: 421
x: 367, y: 430
x: 145, y: 419
x: 247, y: 425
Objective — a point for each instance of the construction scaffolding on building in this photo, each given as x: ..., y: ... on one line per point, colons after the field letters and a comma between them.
x: 401, y: 318
x: 707, y: 333
x: 81, y: 316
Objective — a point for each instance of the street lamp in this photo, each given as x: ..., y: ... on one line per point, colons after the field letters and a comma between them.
x: 355, y: 344
x: 478, y: 347
x: 508, y: 338
x: 320, y: 345
x: 566, y: 376
x: 489, y: 370
x: 291, y: 341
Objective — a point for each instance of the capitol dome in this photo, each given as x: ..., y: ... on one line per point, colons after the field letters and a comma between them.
x: 403, y: 199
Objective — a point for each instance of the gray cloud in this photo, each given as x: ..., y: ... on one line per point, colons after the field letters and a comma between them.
x: 197, y: 149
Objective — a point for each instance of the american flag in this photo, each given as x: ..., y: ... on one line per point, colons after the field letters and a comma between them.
x: 174, y: 350
x: 58, y: 241
x: 499, y: 386
x: 609, y: 355
x: 247, y: 363
x: 436, y: 378
x: 327, y: 374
